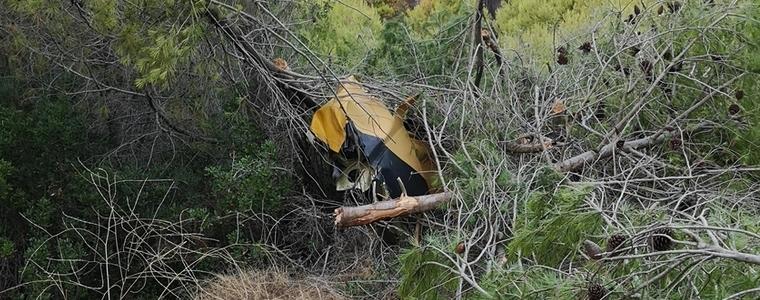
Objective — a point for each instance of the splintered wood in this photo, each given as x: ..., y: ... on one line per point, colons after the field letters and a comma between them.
x: 348, y: 216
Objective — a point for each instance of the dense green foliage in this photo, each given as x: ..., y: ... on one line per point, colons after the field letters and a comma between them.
x: 248, y: 183
x: 537, y: 27
x: 553, y: 225
x: 343, y: 31
x: 46, y: 147
x: 425, y: 273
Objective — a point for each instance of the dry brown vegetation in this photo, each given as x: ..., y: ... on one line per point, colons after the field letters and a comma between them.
x: 269, y: 284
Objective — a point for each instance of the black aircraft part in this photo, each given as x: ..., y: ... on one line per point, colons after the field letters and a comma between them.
x: 389, y: 165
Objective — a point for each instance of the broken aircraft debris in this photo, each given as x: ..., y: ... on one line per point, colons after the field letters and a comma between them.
x: 371, y: 148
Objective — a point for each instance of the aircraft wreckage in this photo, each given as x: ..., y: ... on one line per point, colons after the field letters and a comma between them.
x: 371, y: 149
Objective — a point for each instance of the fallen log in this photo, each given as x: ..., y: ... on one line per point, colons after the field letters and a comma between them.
x: 348, y: 216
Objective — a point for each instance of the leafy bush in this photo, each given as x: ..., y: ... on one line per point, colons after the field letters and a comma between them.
x: 344, y: 31
x: 425, y: 41
x: 250, y: 183
x: 747, y: 89
x: 430, y: 18
x: 537, y: 28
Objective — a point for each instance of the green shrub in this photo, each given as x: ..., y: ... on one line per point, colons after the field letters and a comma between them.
x: 747, y: 137
x: 553, y: 224
x: 7, y: 248
x: 536, y: 28
x: 517, y: 281
x: 345, y: 31
x: 249, y: 183
x: 423, y: 275
x: 426, y: 41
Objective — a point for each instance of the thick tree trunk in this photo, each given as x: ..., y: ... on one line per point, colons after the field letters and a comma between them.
x: 348, y: 216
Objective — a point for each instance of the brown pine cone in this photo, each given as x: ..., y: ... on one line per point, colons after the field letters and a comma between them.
x: 660, y: 239
x: 596, y: 291
x: 460, y: 248
x: 592, y: 250
x: 615, y: 245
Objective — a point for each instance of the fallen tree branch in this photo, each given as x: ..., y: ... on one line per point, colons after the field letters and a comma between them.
x: 531, y: 148
x: 348, y: 216
x: 524, y: 144
x: 477, y: 41
x: 258, y: 61
x: 488, y: 40
x: 705, y: 250
x: 579, y: 160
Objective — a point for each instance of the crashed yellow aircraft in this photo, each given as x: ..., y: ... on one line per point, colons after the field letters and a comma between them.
x: 371, y: 144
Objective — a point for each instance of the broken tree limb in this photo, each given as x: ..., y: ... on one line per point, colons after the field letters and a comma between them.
x: 513, y: 147
x: 477, y: 41
x: 286, y: 78
x: 524, y: 144
x: 348, y: 216
x: 580, y: 160
x: 526, y: 148
x: 491, y: 44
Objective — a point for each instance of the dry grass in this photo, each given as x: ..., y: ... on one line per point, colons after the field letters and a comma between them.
x: 265, y: 285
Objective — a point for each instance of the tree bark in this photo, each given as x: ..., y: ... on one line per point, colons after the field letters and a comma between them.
x: 348, y: 216
x: 580, y: 160
x: 477, y: 41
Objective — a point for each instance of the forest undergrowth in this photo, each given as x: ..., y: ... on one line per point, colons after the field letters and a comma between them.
x: 160, y: 149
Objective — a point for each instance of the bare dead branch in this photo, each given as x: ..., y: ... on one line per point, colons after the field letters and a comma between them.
x: 580, y: 160
x: 477, y: 42
x: 348, y: 216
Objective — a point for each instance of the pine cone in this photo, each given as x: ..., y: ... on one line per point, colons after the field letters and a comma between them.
x: 562, y: 55
x: 592, y: 250
x: 734, y: 109
x: 596, y: 291
x: 660, y: 239
x: 615, y: 245
x: 739, y: 95
x: 585, y: 47
x: 460, y: 248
